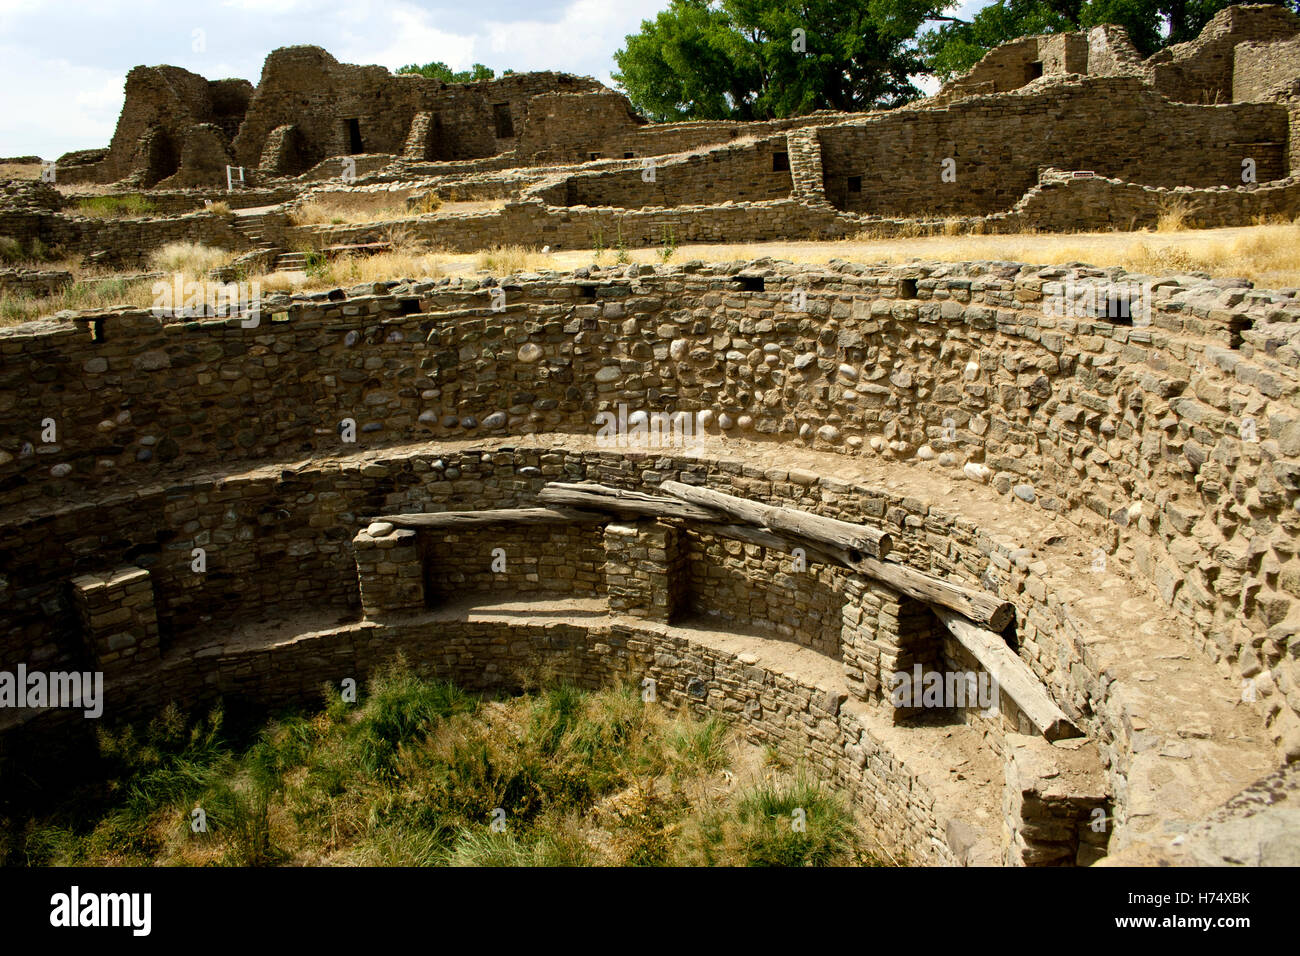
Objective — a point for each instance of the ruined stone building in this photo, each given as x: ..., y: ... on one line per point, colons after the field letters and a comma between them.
x: 1094, y: 498
x: 1060, y: 132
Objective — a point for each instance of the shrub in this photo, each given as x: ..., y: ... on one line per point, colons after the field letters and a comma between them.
x: 189, y: 258
x: 115, y: 207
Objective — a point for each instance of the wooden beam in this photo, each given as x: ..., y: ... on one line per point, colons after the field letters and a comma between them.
x: 600, y: 497
x: 1012, y: 674
x: 451, y: 520
x: 987, y: 609
x: 851, y: 537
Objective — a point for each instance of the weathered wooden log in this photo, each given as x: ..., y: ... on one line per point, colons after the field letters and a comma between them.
x: 1012, y: 674
x: 853, y: 538
x: 451, y: 520
x: 766, y: 539
x: 980, y: 606
x: 621, y: 502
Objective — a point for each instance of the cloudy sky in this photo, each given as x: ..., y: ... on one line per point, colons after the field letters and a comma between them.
x: 63, y: 62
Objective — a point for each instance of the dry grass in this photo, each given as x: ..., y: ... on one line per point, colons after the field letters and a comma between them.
x: 189, y: 258
x: 340, y: 212
x: 1173, y: 214
x: 20, y: 170
x: 508, y: 260
x: 86, y: 292
x: 127, y: 206
x: 1268, y: 255
x: 317, y: 213
x: 98, y: 288
x: 349, y: 270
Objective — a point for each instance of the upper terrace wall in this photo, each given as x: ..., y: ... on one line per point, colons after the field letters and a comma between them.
x: 1259, y: 69
x: 999, y: 145
x: 1011, y: 65
x: 567, y: 127
x: 1198, y: 71
x: 1201, y: 70
x: 1180, y: 441
x: 744, y: 172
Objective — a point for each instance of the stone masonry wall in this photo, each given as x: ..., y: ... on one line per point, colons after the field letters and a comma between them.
x: 1139, y: 434
x: 1259, y: 68
x: 999, y: 145
x: 748, y: 172
x: 746, y: 585
x: 541, y: 559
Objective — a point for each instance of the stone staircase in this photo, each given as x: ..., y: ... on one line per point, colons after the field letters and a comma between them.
x: 290, y: 262
x: 252, y: 228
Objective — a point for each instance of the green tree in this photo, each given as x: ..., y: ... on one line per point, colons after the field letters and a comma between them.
x: 759, y: 59
x: 441, y: 71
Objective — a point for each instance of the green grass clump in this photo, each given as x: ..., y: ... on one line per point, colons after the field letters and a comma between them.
x: 420, y: 773
x: 115, y: 207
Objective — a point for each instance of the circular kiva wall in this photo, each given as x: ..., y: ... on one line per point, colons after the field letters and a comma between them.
x: 1127, y: 481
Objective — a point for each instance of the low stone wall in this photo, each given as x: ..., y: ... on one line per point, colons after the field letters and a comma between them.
x: 752, y: 172
x: 33, y: 282
x: 120, y: 242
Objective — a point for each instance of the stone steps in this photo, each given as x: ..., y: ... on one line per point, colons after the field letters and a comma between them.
x: 290, y: 261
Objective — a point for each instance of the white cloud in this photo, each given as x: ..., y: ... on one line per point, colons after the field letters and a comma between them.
x: 408, y: 35
x: 582, y: 41
x: 61, y: 84
x: 61, y: 106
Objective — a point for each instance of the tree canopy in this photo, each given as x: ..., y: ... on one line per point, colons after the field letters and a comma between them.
x: 761, y: 59
x: 441, y: 71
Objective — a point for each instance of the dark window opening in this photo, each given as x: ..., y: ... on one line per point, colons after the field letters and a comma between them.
x: 750, y: 283
x: 354, y: 136
x: 593, y: 156
x: 1033, y: 70
x: 1119, y: 309
x: 907, y: 288
x: 629, y: 155
x: 504, y: 123
x: 855, y: 184
x: 1236, y: 325
x: 408, y: 306
x: 780, y: 162
x: 587, y: 292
